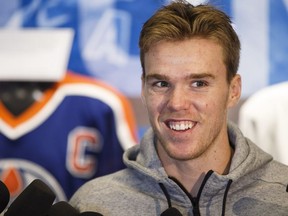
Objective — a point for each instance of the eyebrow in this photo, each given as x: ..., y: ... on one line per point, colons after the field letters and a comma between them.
x: 201, y: 76
x: 190, y: 76
x: 156, y: 76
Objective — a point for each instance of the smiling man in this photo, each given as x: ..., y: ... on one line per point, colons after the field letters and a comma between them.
x: 192, y: 161
x: 186, y: 92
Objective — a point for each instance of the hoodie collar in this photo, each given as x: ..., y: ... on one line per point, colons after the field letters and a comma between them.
x: 247, y: 157
x: 144, y: 157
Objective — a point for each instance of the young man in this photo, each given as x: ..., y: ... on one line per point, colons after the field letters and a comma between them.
x: 192, y: 161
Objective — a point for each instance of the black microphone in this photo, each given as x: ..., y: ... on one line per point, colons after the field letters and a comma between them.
x: 171, y: 212
x: 62, y: 208
x: 4, y: 196
x: 35, y: 200
x: 89, y: 213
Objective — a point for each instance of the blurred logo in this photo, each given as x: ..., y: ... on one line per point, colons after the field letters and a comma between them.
x: 18, y: 174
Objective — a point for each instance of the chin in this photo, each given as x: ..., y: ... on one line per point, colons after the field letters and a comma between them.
x: 179, y: 155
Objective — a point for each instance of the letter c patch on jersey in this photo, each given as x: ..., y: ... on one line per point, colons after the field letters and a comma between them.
x: 82, y: 142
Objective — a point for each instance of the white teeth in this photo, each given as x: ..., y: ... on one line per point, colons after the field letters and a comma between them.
x: 180, y: 126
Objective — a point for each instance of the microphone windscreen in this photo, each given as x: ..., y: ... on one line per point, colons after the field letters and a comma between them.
x: 89, y: 213
x: 62, y: 208
x: 171, y: 212
x: 4, y: 196
x: 35, y: 200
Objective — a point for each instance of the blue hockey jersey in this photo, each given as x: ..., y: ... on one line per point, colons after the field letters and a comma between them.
x: 75, y: 132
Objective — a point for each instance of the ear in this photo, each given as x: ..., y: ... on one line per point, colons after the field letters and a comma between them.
x: 234, y: 91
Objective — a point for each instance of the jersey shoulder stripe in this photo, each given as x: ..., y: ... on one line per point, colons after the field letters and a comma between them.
x: 72, y: 85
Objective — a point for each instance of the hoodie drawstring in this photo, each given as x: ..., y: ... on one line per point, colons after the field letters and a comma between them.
x: 170, y: 211
x: 166, y: 194
x: 163, y: 188
x: 225, y: 196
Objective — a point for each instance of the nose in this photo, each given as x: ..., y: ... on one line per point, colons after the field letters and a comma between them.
x: 178, y: 99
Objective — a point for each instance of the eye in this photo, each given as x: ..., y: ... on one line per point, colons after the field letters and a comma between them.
x: 161, y: 84
x: 199, y: 84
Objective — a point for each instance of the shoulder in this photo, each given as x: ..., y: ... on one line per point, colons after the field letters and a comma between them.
x: 79, y: 83
x: 276, y: 172
x: 109, y: 183
x: 101, y: 193
x: 74, y: 84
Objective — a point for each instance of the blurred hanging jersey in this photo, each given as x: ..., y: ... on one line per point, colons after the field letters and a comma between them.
x: 58, y: 126
x: 76, y: 131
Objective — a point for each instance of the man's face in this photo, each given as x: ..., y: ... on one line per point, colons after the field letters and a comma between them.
x: 186, y: 93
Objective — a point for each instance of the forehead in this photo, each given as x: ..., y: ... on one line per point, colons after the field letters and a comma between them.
x: 191, y: 55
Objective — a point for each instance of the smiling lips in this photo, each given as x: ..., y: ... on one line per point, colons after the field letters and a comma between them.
x: 180, y: 125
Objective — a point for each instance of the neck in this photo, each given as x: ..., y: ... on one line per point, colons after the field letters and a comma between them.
x: 192, y: 172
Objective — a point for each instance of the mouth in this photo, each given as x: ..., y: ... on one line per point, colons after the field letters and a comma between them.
x: 180, y: 125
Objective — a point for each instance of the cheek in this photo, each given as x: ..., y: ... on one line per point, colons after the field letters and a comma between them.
x: 155, y: 105
x: 148, y: 101
x: 212, y: 105
x: 203, y: 103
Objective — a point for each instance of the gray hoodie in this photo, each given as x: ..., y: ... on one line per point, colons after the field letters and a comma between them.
x: 255, y: 185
